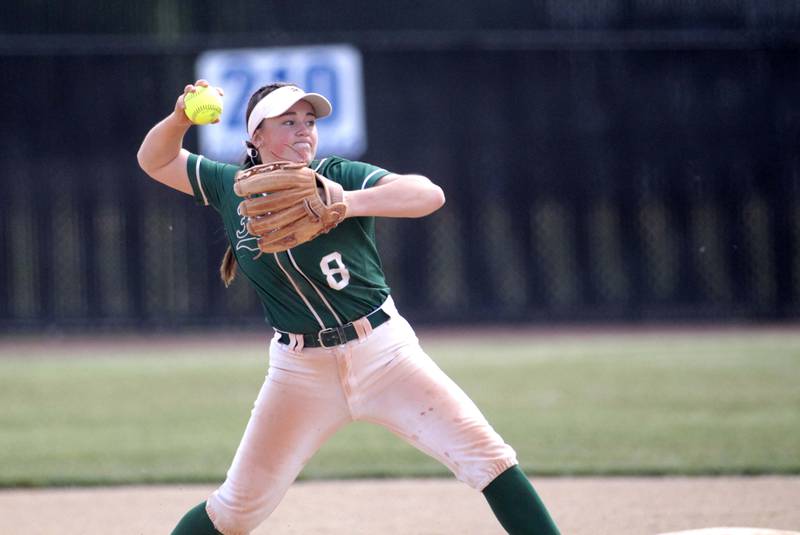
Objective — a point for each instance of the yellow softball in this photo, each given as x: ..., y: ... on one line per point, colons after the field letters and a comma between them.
x: 204, y: 105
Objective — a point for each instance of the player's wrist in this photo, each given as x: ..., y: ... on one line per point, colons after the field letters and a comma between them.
x: 178, y: 119
x: 350, y: 200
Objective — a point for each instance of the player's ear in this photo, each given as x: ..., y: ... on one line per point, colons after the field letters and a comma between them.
x: 256, y: 140
x: 259, y: 138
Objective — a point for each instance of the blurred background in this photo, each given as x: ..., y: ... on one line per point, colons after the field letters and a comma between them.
x: 609, y: 160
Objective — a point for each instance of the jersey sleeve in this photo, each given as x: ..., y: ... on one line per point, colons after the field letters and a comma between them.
x: 206, y: 178
x: 354, y: 175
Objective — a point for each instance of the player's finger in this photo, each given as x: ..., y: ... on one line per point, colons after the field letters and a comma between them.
x: 201, y: 82
x: 180, y: 104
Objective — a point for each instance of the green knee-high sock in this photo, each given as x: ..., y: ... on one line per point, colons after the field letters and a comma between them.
x: 196, y: 522
x: 517, y: 506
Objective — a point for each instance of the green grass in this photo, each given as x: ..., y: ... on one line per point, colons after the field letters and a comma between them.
x: 669, y: 403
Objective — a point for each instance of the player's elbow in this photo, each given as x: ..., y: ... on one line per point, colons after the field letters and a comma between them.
x: 431, y: 199
x: 437, y: 198
x: 144, y: 162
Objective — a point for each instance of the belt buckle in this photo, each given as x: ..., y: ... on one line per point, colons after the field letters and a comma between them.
x: 335, y: 335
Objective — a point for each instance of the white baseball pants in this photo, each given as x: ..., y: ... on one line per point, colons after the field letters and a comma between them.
x: 385, y: 378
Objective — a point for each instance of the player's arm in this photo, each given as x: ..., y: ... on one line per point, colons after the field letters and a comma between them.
x: 162, y: 155
x: 396, y: 196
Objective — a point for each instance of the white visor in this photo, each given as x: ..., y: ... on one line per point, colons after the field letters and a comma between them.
x: 280, y: 100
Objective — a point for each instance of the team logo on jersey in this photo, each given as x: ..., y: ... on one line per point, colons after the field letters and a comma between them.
x: 245, y: 240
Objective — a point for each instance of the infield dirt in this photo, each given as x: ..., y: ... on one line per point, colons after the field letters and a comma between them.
x: 581, y: 506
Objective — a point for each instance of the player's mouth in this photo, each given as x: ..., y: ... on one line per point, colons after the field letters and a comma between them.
x: 302, y: 150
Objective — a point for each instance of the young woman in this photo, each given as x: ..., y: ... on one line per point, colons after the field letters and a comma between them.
x: 341, y: 351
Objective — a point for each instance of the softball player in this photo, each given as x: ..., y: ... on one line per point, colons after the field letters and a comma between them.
x: 341, y: 351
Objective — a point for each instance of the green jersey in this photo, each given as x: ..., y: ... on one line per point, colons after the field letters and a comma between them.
x: 331, y: 280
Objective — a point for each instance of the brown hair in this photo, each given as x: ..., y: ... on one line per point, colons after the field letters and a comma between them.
x: 227, y: 269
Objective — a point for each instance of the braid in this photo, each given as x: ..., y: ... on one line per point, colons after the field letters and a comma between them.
x: 227, y: 269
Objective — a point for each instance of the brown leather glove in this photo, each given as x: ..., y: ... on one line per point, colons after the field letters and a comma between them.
x: 287, y: 204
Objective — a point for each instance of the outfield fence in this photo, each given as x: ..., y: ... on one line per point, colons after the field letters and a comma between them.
x: 594, y: 176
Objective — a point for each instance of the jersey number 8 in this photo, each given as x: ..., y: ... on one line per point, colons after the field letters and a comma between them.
x: 331, y: 266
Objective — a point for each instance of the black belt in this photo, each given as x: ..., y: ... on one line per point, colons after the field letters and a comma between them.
x: 336, y: 336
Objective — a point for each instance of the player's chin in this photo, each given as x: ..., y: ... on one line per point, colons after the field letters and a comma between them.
x: 303, y: 156
x: 301, y: 160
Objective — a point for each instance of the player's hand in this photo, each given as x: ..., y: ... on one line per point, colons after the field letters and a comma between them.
x: 180, y: 105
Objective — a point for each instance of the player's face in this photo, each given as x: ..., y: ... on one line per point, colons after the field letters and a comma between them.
x: 291, y: 136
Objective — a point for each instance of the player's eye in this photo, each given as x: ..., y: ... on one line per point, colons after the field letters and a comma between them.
x: 311, y: 123
x: 289, y: 122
